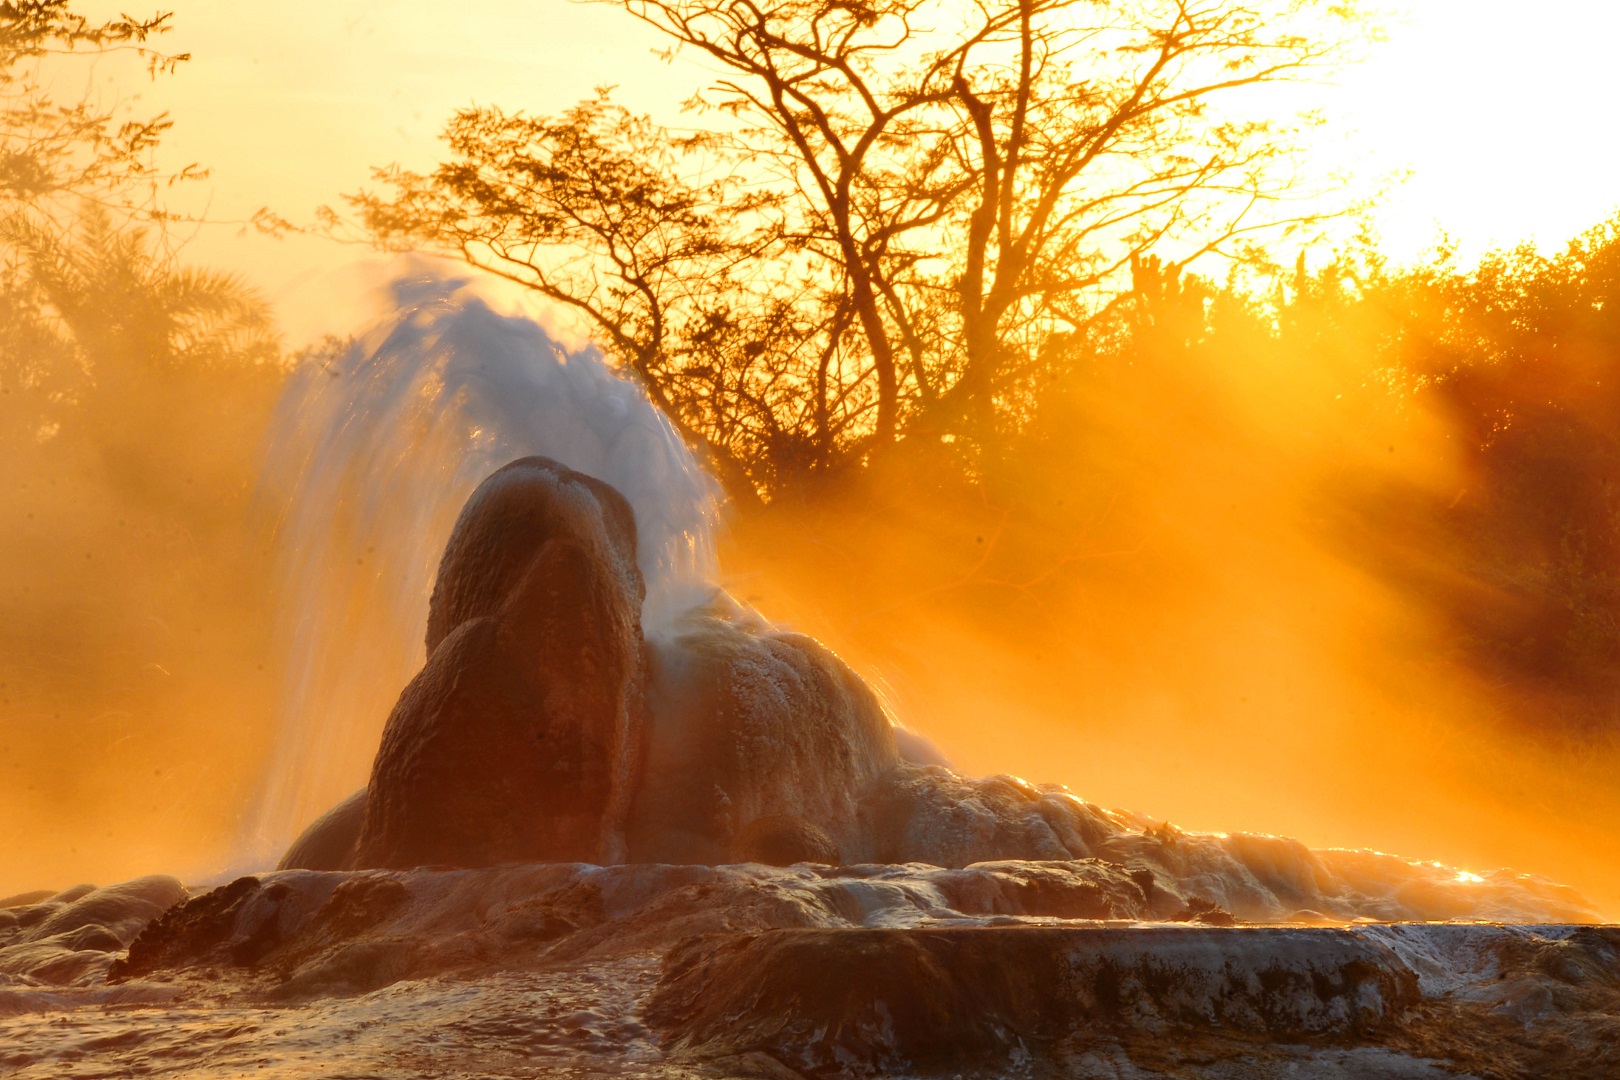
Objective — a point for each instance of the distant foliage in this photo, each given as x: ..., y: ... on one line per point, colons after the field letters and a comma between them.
x: 93, y: 304
x: 1443, y: 440
x: 1521, y: 356
x: 1513, y: 365
x: 133, y: 394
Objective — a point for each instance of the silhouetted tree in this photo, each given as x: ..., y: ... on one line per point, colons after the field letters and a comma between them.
x: 56, y: 154
x: 897, y: 204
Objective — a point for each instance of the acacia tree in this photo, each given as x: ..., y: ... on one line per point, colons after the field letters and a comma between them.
x: 892, y: 209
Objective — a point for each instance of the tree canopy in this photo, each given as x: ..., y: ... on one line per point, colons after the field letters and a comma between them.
x: 887, y: 215
x: 57, y: 154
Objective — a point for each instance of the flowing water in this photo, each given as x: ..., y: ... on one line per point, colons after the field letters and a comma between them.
x: 372, y: 454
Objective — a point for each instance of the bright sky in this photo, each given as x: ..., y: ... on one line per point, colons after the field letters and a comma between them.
x: 1505, y: 114
x: 1502, y: 112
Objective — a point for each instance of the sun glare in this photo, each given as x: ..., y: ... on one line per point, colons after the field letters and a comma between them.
x: 1498, y: 112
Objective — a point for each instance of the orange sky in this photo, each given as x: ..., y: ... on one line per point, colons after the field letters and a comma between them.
x: 1499, y: 117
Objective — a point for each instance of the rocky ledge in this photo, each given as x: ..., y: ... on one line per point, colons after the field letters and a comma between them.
x: 1019, y: 968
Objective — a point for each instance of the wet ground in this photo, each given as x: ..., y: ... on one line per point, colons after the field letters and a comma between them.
x: 1015, y: 969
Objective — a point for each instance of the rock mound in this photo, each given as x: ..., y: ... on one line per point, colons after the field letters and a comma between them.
x: 543, y: 727
x: 328, y: 842
x: 538, y: 730
x: 519, y: 739
x: 747, y: 723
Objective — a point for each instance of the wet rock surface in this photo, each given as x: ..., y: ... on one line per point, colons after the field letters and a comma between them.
x: 748, y: 723
x: 783, y: 840
x: 939, y: 999
x: 1006, y: 969
x: 519, y: 739
x: 72, y: 937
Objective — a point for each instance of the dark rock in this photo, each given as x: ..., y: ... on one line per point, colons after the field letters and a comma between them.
x: 519, y: 740
x: 510, y: 745
x: 874, y: 1001
x: 288, y: 920
x: 329, y: 842
x: 199, y: 928
x: 506, y: 522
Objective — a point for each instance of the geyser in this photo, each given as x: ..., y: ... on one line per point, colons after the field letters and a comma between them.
x: 542, y: 728
x: 373, y: 452
x: 618, y: 823
x: 560, y: 715
x: 559, y: 861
